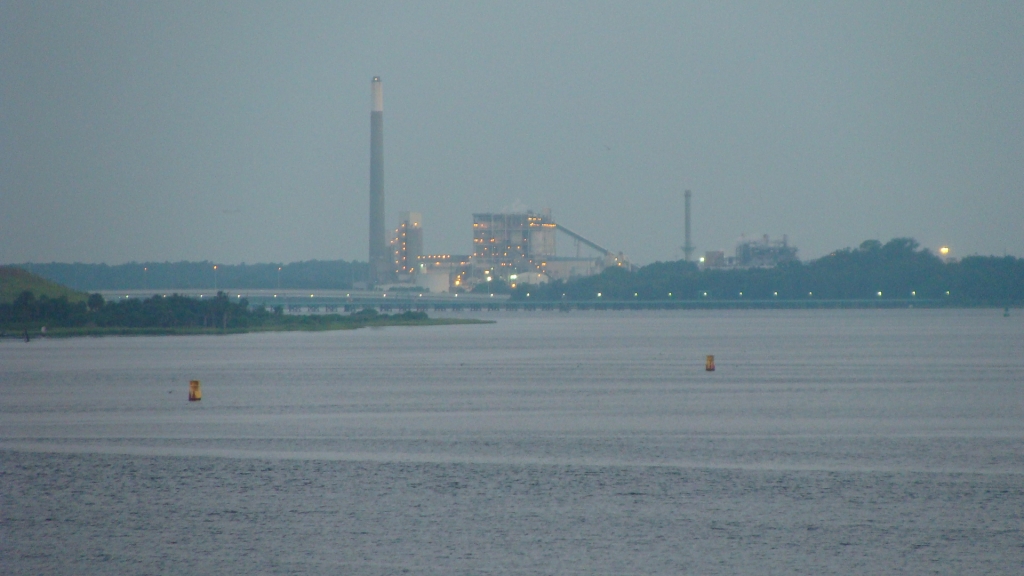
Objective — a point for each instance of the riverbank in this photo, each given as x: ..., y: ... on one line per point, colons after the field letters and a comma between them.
x: 322, y: 325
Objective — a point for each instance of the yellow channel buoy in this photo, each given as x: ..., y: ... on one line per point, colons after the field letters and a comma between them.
x: 195, y: 393
x: 709, y: 364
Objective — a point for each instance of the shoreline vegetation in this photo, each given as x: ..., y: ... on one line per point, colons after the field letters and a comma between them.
x: 897, y: 274
x: 889, y: 275
x: 328, y: 324
x: 30, y: 317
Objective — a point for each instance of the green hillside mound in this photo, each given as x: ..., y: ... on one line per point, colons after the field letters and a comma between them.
x: 14, y: 281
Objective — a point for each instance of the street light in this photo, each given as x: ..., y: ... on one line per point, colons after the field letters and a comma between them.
x: 214, y: 277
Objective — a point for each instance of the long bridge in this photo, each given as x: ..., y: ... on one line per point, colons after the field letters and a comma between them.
x: 472, y: 305
x: 341, y: 301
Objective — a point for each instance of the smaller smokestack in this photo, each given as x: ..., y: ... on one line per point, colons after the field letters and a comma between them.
x: 688, y: 247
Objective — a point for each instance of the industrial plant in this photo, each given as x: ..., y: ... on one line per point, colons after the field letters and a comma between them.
x: 512, y: 248
x: 509, y: 248
x: 751, y: 253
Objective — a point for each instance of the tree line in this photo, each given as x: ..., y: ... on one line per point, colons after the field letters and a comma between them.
x: 897, y: 269
x: 172, y: 311
x: 311, y: 274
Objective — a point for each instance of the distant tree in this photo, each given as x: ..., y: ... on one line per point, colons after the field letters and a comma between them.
x: 870, y: 246
x: 95, y: 301
x: 24, y: 307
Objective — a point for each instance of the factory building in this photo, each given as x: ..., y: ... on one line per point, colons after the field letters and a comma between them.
x: 716, y: 259
x: 441, y: 272
x: 521, y: 248
x: 760, y: 253
x: 509, y: 243
x: 407, y: 245
x: 764, y: 253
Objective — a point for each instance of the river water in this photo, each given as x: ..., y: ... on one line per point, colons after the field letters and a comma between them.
x: 826, y: 442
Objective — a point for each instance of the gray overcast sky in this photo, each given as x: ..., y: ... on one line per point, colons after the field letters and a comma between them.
x: 239, y: 131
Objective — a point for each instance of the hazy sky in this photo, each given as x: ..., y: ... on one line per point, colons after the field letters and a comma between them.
x: 239, y: 131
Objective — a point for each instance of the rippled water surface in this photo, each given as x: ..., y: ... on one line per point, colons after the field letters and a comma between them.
x: 837, y: 442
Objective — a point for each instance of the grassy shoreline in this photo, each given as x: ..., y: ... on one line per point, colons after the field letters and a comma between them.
x: 57, y: 332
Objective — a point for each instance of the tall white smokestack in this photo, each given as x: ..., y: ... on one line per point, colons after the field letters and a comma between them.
x: 380, y: 265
